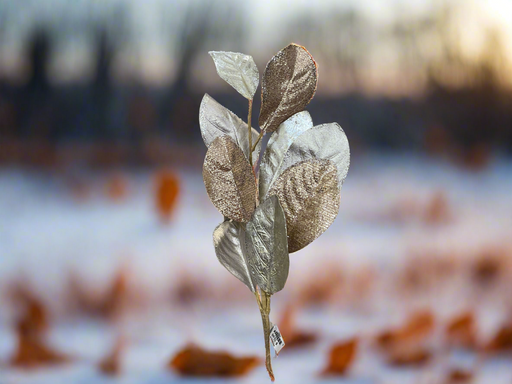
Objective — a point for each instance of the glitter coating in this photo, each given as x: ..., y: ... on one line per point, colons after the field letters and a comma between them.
x: 325, y: 142
x: 309, y: 194
x: 215, y: 121
x: 288, y: 84
x: 267, y: 246
x: 228, y: 240
x: 277, y: 147
x: 238, y: 70
x: 229, y: 180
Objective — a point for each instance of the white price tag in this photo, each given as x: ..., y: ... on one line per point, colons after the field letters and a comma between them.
x: 276, y: 339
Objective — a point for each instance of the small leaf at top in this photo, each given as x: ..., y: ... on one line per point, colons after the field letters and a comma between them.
x: 216, y: 120
x: 229, y: 180
x: 288, y: 85
x: 229, y: 243
x: 310, y: 197
x: 267, y: 246
x: 238, y: 70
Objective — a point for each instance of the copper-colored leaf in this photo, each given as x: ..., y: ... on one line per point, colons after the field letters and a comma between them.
x: 502, y: 340
x: 417, y: 328
x: 116, y: 187
x: 288, y: 85
x: 166, y: 193
x: 310, y: 197
x: 229, y: 180
x: 294, y: 337
x: 31, y: 351
x: 341, y: 357
x: 111, y: 364
x: 461, y: 331
x: 409, y: 355
x: 457, y: 375
x: 406, y: 345
x: 195, y: 361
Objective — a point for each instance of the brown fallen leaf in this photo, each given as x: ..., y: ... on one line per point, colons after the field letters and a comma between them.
x: 195, y: 361
x: 437, y: 210
x: 116, y: 187
x: 166, y: 193
x: 111, y: 364
x: 408, y: 355
x: 31, y: 350
x: 458, y: 375
x: 417, y: 328
x: 461, y: 331
x: 502, y: 340
x: 341, y: 357
x: 292, y: 336
x: 34, y: 318
x: 105, y: 304
x: 405, y: 345
x: 323, y: 286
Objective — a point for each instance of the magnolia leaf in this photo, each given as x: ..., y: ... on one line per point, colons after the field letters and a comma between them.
x: 229, y: 180
x: 238, y: 70
x: 323, y: 142
x: 310, y: 197
x: 277, y: 147
x: 229, y: 243
x: 266, y: 246
x: 288, y: 85
x: 216, y: 120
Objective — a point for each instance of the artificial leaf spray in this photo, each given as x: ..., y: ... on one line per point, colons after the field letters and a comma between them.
x: 294, y: 197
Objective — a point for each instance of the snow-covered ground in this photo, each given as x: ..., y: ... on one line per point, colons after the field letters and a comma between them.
x: 46, y: 232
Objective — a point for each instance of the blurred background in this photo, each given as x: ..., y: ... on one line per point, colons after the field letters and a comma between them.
x: 106, y: 260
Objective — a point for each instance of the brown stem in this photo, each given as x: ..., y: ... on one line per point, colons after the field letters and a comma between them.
x: 264, y: 304
x: 257, y: 141
x: 249, y: 118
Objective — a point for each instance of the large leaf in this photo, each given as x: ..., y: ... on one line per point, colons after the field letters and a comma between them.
x: 229, y: 180
x: 266, y: 246
x: 277, y: 147
x: 229, y: 243
x: 324, y: 142
x: 238, y: 70
x: 216, y: 120
x: 310, y: 197
x: 288, y: 85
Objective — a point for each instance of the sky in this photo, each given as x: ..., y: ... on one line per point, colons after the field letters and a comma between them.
x: 151, y: 61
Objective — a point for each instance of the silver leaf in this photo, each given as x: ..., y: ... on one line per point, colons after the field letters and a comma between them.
x: 229, y: 180
x: 229, y: 243
x: 216, y: 120
x: 323, y: 142
x: 267, y: 246
x: 309, y: 194
x: 238, y: 70
x: 277, y: 147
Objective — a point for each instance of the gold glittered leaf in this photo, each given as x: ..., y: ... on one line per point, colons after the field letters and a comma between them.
x: 266, y: 246
x: 288, y: 85
x: 215, y: 120
x: 309, y: 194
x: 229, y: 180
x: 229, y: 243
x: 238, y: 70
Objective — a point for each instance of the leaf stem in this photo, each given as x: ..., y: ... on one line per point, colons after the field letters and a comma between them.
x: 257, y: 141
x: 249, y: 118
x: 263, y: 300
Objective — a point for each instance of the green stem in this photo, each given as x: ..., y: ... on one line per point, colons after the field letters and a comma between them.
x: 249, y: 118
x: 264, y: 304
